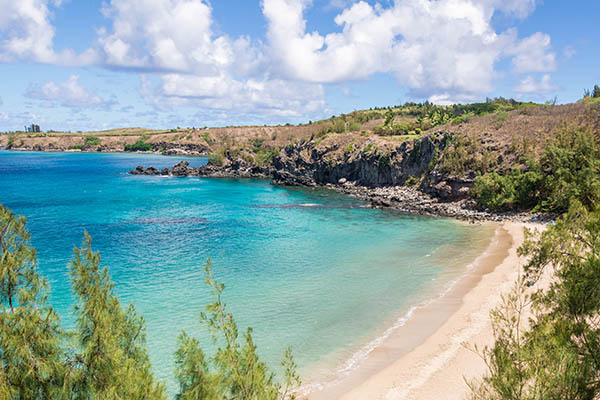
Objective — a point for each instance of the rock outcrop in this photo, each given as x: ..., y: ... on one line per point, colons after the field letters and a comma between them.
x: 407, y: 178
x: 236, y: 168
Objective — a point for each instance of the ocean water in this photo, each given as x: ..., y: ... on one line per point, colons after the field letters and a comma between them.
x: 306, y: 268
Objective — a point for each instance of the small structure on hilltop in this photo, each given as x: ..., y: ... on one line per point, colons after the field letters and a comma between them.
x: 32, y: 128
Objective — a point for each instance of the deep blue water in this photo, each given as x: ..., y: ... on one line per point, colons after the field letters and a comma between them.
x: 307, y: 268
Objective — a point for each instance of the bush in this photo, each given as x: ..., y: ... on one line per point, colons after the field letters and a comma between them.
x: 555, y: 352
x: 338, y: 126
x: 568, y: 169
x: 217, y: 157
x: 91, y: 140
x: 264, y: 157
x: 105, y: 356
x: 354, y: 127
x: 411, y: 181
x: 139, y: 145
x: 464, y: 154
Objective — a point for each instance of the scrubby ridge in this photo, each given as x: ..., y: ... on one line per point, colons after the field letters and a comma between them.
x: 484, y: 158
x: 494, y: 166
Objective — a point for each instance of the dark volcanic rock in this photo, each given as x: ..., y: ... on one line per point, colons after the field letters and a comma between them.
x: 377, y: 177
x: 236, y: 168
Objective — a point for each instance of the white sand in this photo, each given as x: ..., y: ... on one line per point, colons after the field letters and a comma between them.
x: 436, y: 366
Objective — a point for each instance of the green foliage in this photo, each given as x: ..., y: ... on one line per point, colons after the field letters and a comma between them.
x: 11, y: 140
x: 595, y: 93
x: 395, y: 129
x: 139, y: 145
x: 237, y: 371
x: 385, y: 161
x: 339, y: 126
x: 264, y: 157
x: 105, y: 357
x: 91, y: 140
x: 257, y: 144
x: 111, y: 360
x: 389, y: 118
x: 206, y: 137
x: 464, y: 154
x: 499, y: 118
x: 411, y: 181
x: 31, y: 358
x: 556, y: 354
x: 217, y: 157
x: 462, y: 118
x: 568, y: 169
x: 354, y: 127
x: 349, y: 148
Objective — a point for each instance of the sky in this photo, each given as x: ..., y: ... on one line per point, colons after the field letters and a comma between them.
x: 102, y: 64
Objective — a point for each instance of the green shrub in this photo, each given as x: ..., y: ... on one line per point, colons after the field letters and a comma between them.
x: 568, y: 169
x: 91, y: 140
x: 217, y: 157
x: 385, y: 161
x: 354, y: 127
x: 547, y: 341
x: 264, y: 157
x: 339, y: 126
x: 462, y: 118
x: 257, y: 144
x: 411, y: 181
x: 464, y: 154
x: 139, y: 145
x: 500, y: 117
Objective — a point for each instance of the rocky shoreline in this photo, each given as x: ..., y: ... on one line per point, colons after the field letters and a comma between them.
x: 163, y: 148
x: 406, y: 199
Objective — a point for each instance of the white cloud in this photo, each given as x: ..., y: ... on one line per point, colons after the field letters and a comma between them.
x: 443, y: 50
x: 433, y: 47
x: 26, y: 34
x: 569, y: 51
x: 529, y: 85
x: 68, y: 94
x: 270, y: 97
x: 174, y: 40
x: 166, y: 35
x: 532, y: 54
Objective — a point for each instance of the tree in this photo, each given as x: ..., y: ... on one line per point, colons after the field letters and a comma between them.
x: 596, y: 91
x: 30, y: 354
x: 558, y: 356
x: 110, y: 360
x: 237, y: 372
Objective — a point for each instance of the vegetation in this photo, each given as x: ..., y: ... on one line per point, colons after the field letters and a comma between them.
x: 463, y: 154
x: 237, y: 372
x: 139, y: 145
x: 595, y: 93
x: 555, y: 355
x: 105, y: 356
x: 91, y: 140
x: 568, y: 169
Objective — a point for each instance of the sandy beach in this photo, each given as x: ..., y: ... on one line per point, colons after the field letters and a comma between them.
x: 430, y: 357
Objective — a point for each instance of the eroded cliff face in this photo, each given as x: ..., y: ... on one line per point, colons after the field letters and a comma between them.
x: 411, y: 162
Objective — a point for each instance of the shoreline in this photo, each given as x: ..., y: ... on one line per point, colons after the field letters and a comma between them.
x: 404, y: 198
x: 413, y: 361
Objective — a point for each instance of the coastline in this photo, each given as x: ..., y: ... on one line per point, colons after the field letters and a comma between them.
x: 426, y: 357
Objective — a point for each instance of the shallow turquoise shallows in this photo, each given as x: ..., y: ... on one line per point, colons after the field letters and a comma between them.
x: 311, y: 269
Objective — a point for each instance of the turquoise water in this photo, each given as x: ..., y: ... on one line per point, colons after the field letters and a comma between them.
x: 307, y: 268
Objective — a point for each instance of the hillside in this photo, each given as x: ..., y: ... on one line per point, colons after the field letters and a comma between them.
x: 439, y: 150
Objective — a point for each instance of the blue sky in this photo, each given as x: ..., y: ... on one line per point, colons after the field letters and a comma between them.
x: 93, y: 64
